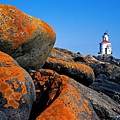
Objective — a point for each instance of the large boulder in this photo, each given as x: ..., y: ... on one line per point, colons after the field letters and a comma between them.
x: 27, y: 39
x: 17, y: 91
x: 69, y: 105
x: 78, y: 71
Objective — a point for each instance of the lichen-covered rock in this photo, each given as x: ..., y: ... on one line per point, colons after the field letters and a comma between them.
x: 17, y: 91
x: 78, y: 71
x: 27, y: 39
x: 69, y: 105
x: 47, y: 84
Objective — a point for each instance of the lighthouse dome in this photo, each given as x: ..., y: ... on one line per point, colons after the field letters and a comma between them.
x: 105, y: 42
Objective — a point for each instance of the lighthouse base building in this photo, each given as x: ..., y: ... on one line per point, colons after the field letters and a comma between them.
x: 105, y: 46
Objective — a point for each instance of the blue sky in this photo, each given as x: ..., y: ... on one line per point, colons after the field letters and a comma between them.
x: 79, y: 24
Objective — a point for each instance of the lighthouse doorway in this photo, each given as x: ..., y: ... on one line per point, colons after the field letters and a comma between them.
x: 105, y: 50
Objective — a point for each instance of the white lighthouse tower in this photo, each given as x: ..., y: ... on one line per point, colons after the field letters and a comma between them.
x: 105, y: 46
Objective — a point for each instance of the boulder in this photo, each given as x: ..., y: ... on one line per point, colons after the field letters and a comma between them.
x: 17, y: 91
x: 78, y: 71
x: 69, y: 105
x: 27, y: 39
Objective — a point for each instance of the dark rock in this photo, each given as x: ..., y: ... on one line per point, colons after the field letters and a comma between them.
x: 110, y: 72
x: 110, y: 59
x: 110, y: 88
x: 79, y: 57
x: 2, y: 116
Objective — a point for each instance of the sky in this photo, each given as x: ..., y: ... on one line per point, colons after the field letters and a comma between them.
x: 79, y: 24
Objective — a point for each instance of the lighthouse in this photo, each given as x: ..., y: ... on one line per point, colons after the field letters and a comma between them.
x: 105, y: 46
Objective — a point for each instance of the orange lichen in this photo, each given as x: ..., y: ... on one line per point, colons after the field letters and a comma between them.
x: 15, y: 84
x: 50, y: 71
x: 24, y: 90
x: 11, y: 96
x: 111, y: 66
x: 47, y: 28
x: 8, y: 69
x: 23, y: 100
x: 73, y: 91
x: 52, y: 95
x: 44, y: 78
x: 38, y: 91
x: 65, y: 83
x: 37, y: 75
x: 86, y: 101
x: 42, y: 82
x: 16, y: 25
x: 57, y: 110
x: 15, y: 72
x: 65, y: 79
x: 91, y: 60
x: 85, y: 108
